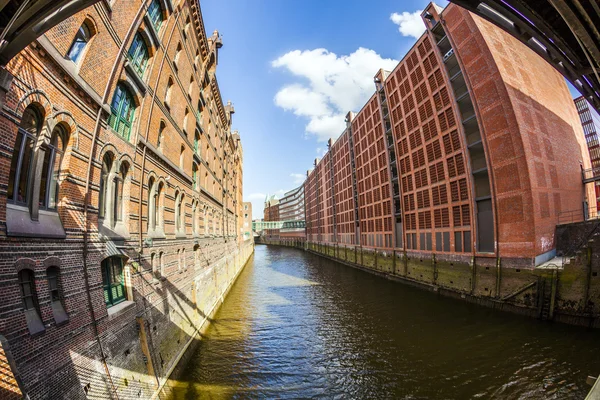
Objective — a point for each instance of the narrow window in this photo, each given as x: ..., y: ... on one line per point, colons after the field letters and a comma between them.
x: 122, y: 111
x: 28, y: 293
x: 182, y: 214
x: 113, y: 281
x: 154, y: 265
x: 186, y: 121
x: 159, y: 141
x: 168, y: 94
x: 181, y: 157
x: 151, y: 204
x: 194, y: 176
x: 119, y: 183
x: 58, y: 311
x: 80, y: 42
x: 184, y: 260
x: 30, y: 301
x: 22, y: 158
x: 177, y: 211
x: 177, y: 55
x: 161, y: 265
x: 155, y: 13
x: 138, y: 54
x: 157, y: 206
x: 51, y: 169
x: 191, y: 87
x: 106, y: 168
x: 196, y: 142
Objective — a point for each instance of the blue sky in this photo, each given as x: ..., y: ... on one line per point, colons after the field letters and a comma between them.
x: 294, y: 68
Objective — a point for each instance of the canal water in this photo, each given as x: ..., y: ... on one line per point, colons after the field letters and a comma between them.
x: 299, y: 326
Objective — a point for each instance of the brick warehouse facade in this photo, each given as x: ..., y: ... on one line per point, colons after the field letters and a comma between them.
x: 120, y: 200
x: 455, y: 172
x: 456, y: 152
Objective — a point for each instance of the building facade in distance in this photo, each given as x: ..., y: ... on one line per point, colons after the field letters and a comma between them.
x: 291, y: 212
x: 121, y: 200
x: 271, y: 214
x: 465, y: 150
x: 247, y: 219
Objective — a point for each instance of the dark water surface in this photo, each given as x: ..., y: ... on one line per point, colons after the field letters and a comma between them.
x: 298, y: 326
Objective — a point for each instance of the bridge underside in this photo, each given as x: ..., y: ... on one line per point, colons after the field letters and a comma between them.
x: 23, y: 21
x: 564, y: 32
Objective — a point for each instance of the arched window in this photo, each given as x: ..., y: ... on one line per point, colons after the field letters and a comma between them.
x: 80, y: 42
x: 28, y: 292
x: 179, y: 263
x: 51, y: 168
x: 119, y: 182
x: 194, y: 176
x: 138, y: 54
x: 154, y: 265
x: 151, y: 204
x: 197, y: 59
x: 177, y: 212
x: 122, y: 110
x: 194, y: 217
x: 183, y: 259
x: 161, y: 132
x: 191, y: 87
x: 168, y: 94
x: 54, y: 287
x: 22, y: 158
x: 177, y: 55
x: 113, y: 281
x: 182, y: 157
x: 205, y: 221
x: 181, y: 214
x: 156, y: 14
x: 161, y: 265
x: 30, y: 301
x: 158, y: 206
x: 107, y: 162
x: 186, y: 121
x: 196, y: 142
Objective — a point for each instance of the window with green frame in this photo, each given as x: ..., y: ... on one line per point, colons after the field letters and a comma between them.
x: 138, y: 54
x: 122, y: 109
x: 155, y: 14
x: 113, y: 281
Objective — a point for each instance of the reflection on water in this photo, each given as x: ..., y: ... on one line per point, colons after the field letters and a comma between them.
x: 296, y: 325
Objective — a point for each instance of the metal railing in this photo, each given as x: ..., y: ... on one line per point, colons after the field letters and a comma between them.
x: 579, y: 215
x: 590, y: 174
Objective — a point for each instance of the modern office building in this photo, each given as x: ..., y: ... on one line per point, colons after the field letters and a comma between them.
x: 470, y: 147
x: 291, y: 212
x: 120, y: 200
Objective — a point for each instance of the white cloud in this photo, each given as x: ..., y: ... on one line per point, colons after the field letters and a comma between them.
x: 298, y: 178
x: 409, y: 24
x: 332, y: 86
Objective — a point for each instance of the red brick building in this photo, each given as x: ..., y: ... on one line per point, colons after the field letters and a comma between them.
x: 120, y: 200
x: 271, y: 214
x: 470, y: 147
